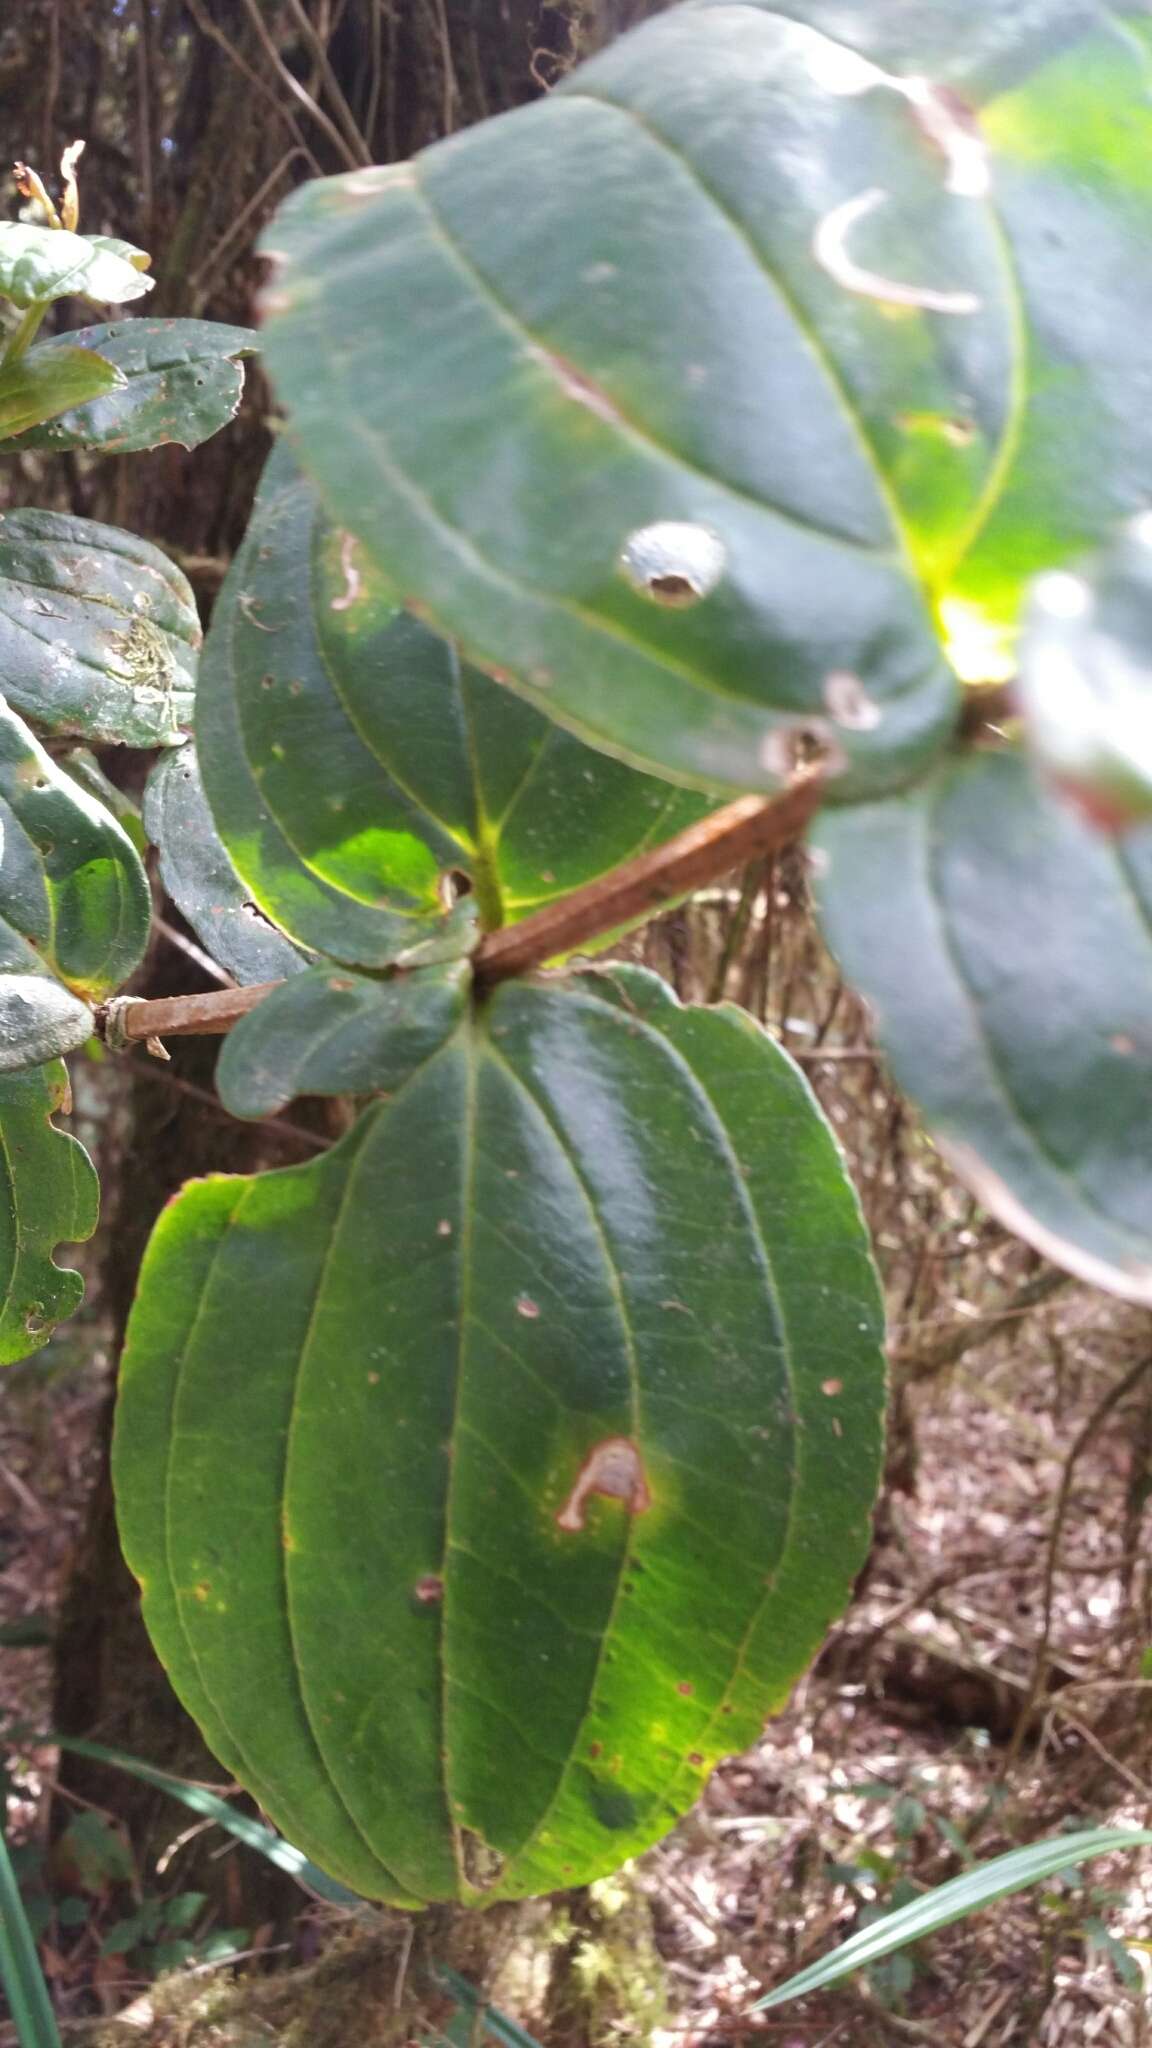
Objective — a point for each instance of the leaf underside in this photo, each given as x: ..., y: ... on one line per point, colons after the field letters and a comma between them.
x: 441, y: 1564
x: 1004, y: 949
x: 351, y: 761
x: 40, y: 264
x: 201, y: 880
x: 74, y: 899
x: 909, y: 373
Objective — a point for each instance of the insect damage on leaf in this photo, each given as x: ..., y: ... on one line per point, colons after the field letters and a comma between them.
x: 674, y: 561
x: 144, y: 655
x: 612, y: 1469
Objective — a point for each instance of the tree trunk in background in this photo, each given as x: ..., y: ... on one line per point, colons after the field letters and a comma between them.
x: 196, y: 128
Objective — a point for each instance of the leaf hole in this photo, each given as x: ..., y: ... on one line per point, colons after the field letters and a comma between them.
x: 452, y: 886
x: 674, y: 562
x: 848, y: 702
x: 786, y: 749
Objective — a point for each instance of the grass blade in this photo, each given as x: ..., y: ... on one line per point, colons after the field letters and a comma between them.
x: 497, y: 2025
x: 253, y: 1833
x: 976, y: 1888
x: 20, y: 1972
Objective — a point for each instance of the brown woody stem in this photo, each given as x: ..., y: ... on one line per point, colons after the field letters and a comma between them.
x: 742, y: 831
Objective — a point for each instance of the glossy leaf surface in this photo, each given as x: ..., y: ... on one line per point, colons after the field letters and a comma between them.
x: 98, y: 631
x: 42, y: 264
x: 48, y: 1197
x: 351, y: 761
x: 40, y: 388
x: 823, y: 320
x: 554, y: 1459
x: 201, y: 880
x: 333, y: 1033
x: 39, y: 1020
x: 1085, y: 684
x: 178, y: 381
x: 1005, y: 949
x: 73, y: 896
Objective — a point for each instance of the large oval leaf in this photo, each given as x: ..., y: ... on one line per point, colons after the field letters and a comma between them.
x: 73, y: 896
x: 1006, y: 951
x: 351, y: 760
x: 554, y: 1459
x: 38, y: 265
x: 819, y: 311
x: 174, y: 381
x: 48, y: 1196
x: 40, y: 387
x: 201, y: 880
x: 98, y: 631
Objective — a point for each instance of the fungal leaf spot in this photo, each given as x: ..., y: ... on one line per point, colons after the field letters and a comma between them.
x: 612, y: 1469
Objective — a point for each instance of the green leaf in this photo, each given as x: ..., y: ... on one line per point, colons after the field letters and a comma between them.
x: 908, y: 372
x: 337, y: 1033
x: 977, y: 1888
x: 178, y: 381
x: 73, y: 896
x: 41, y: 387
x: 98, y: 631
x: 25, y: 1991
x: 48, y: 1196
x: 1085, y: 684
x: 39, y: 1020
x: 554, y: 1460
x: 100, y: 1854
x: 38, y: 265
x: 351, y: 760
x: 201, y: 880
x: 1005, y: 950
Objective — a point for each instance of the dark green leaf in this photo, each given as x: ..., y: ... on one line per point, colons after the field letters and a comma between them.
x: 330, y: 1032
x: 98, y: 631
x: 39, y: 387
x: 73, y: 895
x: 1005, y: 949
x: 554, y: 1459
x: 1085, y: 682
x: 178, y: 381
x: 48, y: 1197
x: 38, y: 265
x: 100, y: 1855
x: 977, y: 1888
x: 39, y: 1020
x: 350, y: 760
x: 201, y: 880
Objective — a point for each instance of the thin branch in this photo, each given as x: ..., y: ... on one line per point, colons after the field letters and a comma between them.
x: 925, y: 1361
x: 344, y: 114
x: 1040, y: 1669
x: 210, y: 28
x: 741, y: 832
x: 279, y: 1125
x: 352, y: 160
